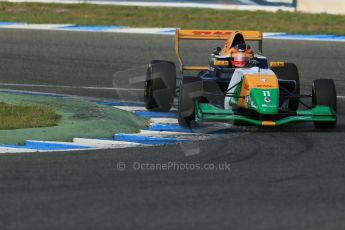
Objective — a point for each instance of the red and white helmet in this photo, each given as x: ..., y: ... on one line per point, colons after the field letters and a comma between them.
x: 241, y: 55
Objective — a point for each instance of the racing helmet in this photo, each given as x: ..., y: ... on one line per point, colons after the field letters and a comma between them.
x: 241, y: 55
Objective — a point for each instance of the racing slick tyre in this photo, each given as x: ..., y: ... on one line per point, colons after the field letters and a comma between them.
x: 190, y: 89
x: 160, y: 86
x: 289, y: 72
x: 324, y: 93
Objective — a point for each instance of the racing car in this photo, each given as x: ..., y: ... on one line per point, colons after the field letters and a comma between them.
x: 238, y: 85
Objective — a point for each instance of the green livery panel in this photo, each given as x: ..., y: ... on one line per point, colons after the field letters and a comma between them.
x: 264, y: 101
x: 207, y: 112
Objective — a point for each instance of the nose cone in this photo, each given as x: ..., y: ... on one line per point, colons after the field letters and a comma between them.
x: 265, y: 101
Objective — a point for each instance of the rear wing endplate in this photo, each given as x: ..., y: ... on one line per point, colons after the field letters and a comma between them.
x: 211, y: 35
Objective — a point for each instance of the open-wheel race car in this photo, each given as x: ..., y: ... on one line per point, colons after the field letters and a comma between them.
x: 237, y: 86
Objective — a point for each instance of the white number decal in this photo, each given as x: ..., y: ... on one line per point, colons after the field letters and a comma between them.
x: 266, y: 93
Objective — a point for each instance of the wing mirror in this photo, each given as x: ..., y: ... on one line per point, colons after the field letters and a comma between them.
x: 217, y: 50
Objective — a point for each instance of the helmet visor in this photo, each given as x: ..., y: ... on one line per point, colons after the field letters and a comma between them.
x: 241, y: 57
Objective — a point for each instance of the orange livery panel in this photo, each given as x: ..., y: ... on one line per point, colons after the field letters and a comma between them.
x: 255, y: 82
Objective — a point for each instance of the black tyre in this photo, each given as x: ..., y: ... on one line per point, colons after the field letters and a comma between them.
x: 324, y: 93
x: 160, y: 86
x: 289, y: 72
x: 190, y: 89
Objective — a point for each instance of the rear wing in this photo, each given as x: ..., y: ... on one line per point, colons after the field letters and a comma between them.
x: 211, y: 35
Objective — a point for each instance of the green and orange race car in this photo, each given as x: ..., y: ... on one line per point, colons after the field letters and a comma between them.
x: 237, y: 86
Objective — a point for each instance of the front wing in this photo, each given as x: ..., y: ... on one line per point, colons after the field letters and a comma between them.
x: 208, y: 112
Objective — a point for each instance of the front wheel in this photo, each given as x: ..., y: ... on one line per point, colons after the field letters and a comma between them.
x: 190, y: 89
x: 324, y: 93
x: 160, y: 86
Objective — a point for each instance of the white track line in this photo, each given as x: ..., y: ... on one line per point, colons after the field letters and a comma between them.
x: 159, y: 31
x: 306, y: 39
x: 69, y: 87
x: 141, y: 30
x: 57, y: 143
x: 130, y: 108
x: 168, y: 4
x: 249, y: 2
x: 36, y: 26
x: 162, y: 133
x: 179, y: 135
x: 164, y: 120
x: 142, y: 108
x: 16, y: 150
x: 106, y: 143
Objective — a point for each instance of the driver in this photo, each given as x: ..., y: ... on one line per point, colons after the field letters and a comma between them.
x: 241, y: 55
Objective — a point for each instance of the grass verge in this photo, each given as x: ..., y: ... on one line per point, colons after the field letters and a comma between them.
x: 86, y: 14
x: 25, y: 116
x: 79, y: 118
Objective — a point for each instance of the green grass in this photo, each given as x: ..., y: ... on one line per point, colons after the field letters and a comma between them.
x: 78, y: 118
x: 86, y: 14
x: 25, y: 116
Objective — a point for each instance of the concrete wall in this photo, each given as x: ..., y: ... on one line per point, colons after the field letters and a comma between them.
x: 321, y: 6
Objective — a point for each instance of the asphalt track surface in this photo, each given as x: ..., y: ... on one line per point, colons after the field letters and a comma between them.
x: 291, y: 177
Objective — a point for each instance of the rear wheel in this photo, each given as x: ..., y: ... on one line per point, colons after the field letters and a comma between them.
x: 160, y: 86
x: 190, y: 89
x: 324, y: 93
x: 289, y: 72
